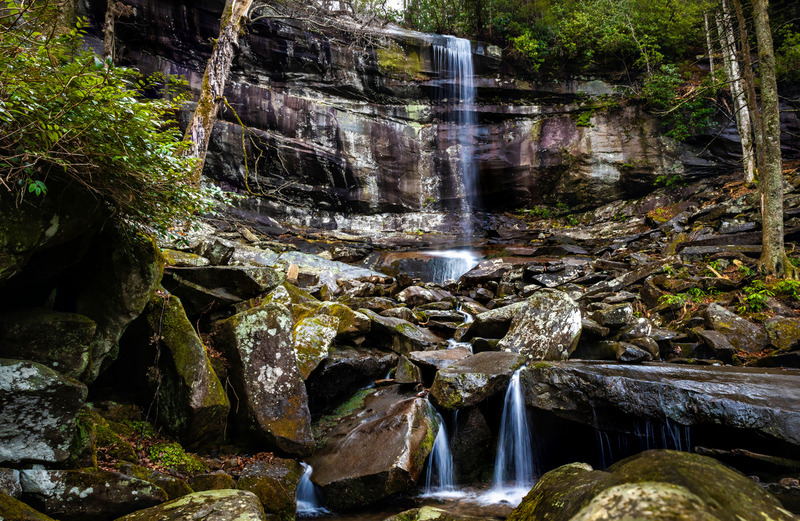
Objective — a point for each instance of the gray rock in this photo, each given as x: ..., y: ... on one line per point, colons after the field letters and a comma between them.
x: 494, y: 323
x: 632, y: 354
x: 595, y: 350
x: 718, y: 343
x: 313, y: 337
x: 244, y: 282
x: 471, y: 445
x: 415, y: 296
x: 38, y: 407
x: 400, y: 336
x: 208, y: 505
x: 407, y: 372
x: 403, y: 313
x: 375, y: 452
x: 783, y: 333
x: 641, y: 327
x: 474, y: 379
x: 58, y: 340
x: 9, y: 482
x: 546, y: 327
x: 273, y: 404
x: 347, y: 369
x: 485, y: 271
x: 441, y: 358
x: 79, y: 495
x: 274, y: 482
x: 617, y: 315
x: 429, y: 513
x: 741, y: 333
x: 351, y: 323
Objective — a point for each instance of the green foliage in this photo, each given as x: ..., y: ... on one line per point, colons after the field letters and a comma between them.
x: 584, y: 119
x: 669, y: 180
x: 755, y: 297
x: 532, y: 49
x: 679, y: 299
x: 787, y: 56
x: 173, y: 456
x: 66, y: 117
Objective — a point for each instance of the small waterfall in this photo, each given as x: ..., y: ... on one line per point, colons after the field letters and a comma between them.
x: 452, y: 58
x: 439, y: 479
x: 514, y: 468
x: 309, y: 502
x: 450, y: 264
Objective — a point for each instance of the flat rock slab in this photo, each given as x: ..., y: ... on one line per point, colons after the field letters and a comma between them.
x: 399, y: 335
x: 377, y: 451
x: 472, y: 380
x: 209, y: 505
x: 766, y: 401
x: 37, y: 412
x: 441, y: 358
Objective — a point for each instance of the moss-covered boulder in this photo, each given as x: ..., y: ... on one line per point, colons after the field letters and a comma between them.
x: 783, y: 332
x: 208, y: 505
x: 14, y: 510
x: 345, y: 370
x: 407, y: 372
x: 58, y: 340
x: 493, y: 323
x: 364, y: 459
x: 273, y: 404
x: 184, y: 259
x: 399, y: 335
x: 351, y: 323
x: 472, y: 380
x: 123, y: 274
x: 313, y: 337
x: 192, y: 403
x: 657, y: 484
x: 38, y: 407
x: 92, y: 494
x: 275, y: 483
x: 244, y: 282
x: 173, y: 486
x: 429, y: 513
x: 741, y: 333
x: 213, y: 481
x: 546, y: 327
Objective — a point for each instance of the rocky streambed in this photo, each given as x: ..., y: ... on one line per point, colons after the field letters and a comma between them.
x: 144, y: 381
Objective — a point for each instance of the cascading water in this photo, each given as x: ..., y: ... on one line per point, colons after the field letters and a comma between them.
x: 449, y: 264
x: 452, y: 58
x: 439, y: 479
x: 514, y: 469
x: 309, y: 503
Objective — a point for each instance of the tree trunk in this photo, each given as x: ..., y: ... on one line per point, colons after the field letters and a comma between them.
x: 741, y: 111
x: 108, y: 32
x: 198, y: 133
x: 750, y: 82
x: 773, y: 259
x: 709, y: 46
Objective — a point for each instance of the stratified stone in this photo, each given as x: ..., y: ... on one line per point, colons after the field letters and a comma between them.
x: 546, y: 327
x: 58, y: 340
x: 474, y: 379
x: 275, y: 483
x: 38, y: 407
x: 313, y: 337
x: 208, y: 505
x: 79, y: 495
x: 273, y: 402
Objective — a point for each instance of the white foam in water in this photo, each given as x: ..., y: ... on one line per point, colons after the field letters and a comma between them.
x: 450, y: 264
x: 309, y: 503
x: 439, y: 478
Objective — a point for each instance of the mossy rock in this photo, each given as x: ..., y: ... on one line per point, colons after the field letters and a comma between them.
x: 183, y: 258
x: 428, y: 513
x: 275, y: 483
x: 208, y: 505
x: 14, y: 510
x: 313, y: 337
x: 174, y: 487
x: 215, y: 481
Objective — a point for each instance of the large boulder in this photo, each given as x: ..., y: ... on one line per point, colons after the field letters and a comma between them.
x: 273, y: 404
x: 375, y: 452
x: 345, y: 370
x: 546, y: 327
x: 764, y: 401
x: 313, y: 337
x: 52, y: 338
x: 414, y: 296
x: 274, y: 482
x: 399, y: 335
x: 351, y: 323
x: 126, y: 270
x: 208, y: 505
x: 192, y: 403
x: 14, y: 510
x: 79, y: 495
x: 493, y: 323
x: 428, y: 513
x: 38, y: 407
x: 741, y: 333
x: 659, y: 485
x: 472, y: 380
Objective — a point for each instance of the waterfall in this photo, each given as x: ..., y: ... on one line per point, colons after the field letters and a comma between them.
x: 439, y: 478
x: 514, y: 468
x: 309, y: 503
x: 449, y: 264
x: 452, y: 59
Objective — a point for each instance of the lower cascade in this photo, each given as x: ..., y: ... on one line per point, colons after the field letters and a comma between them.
x: 514, y: 468
x: 439, y: 479
x: 309, y: 502
x: 450, y: 264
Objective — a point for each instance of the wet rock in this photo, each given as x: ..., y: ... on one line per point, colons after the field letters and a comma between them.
x: 657, y: 484
x: 790, y: 359
x: 311, y: 265
x: 494, y: 323
x: 79, y: 495
x: 492, y: 269
x: 618, y: 315
x: 192, y: 400
x: 441, y: 358
x: 274, y: 482
x: 273, y: 405
x: 415, y: 296
x: 632, y: 354
x: 209, y: 505
x: 400, y: 336
x: 471, y: 444
x: 38, y: 407
x: 58, y: 340
x: 718, y: 343
x: 313, y: 337
x: 345, y: 370
x: 764, y: 401
x: 474, y: 379
x: 595, y: 350
x: 649, y: 345
x: 244, y: 282
x: 553, y: 280
x: 546, y: 327
x: 783, y: 333
x: 480, y: 345
x: 126, y: 272
x: 376, y: 304
x: 377, y: 451
x: 407, y: 372
x: 592, y: 329
x: 214, y: 481
x: 14, y: 510
x: 741, y: 333
x: 351, y: 323
x: 429, y: 513
x: 183, y: 259
x: 403, y: 313
x: 9, y: 483
x: 641, y: 327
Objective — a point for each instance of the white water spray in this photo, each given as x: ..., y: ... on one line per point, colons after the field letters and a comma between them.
x: 309, y: 503
x: 439, y: 480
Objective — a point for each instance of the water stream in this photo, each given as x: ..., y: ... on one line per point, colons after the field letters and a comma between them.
x: 439, y: 480
x: 450, y: 264
x: 309, y: 502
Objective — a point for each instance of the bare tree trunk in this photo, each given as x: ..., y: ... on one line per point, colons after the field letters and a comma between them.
x: 198, y: 133
x: 773, y: 259
x: 710, y: 46
x: 108, y: 32
x: 750, y: 82
x: 742, y: 113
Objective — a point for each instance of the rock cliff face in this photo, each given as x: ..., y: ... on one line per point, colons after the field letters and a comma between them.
x: 345, y: 128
